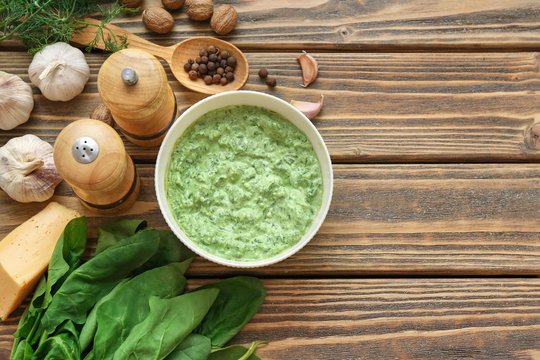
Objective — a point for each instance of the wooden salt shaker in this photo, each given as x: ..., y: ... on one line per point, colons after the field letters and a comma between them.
x: 133, y: 85
x: 91, y: 157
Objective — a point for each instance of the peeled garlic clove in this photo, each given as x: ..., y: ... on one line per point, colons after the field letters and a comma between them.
x: 16, y: 101
x: 310, y: 109
x: 310, y: 68
x: 27, y: 171
x: 60, y: 71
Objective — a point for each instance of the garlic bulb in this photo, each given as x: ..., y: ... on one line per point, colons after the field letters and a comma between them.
x: 60, y: 71
x: 27, y: 171
x: 16, y: 101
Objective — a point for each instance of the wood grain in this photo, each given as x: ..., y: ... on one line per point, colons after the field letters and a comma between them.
x: 378, y: 107
x: 475, y: 219
x: 496, y: 319
x: 365, y: 25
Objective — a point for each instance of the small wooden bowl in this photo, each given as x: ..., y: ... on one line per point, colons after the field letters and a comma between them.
x: 190, y: 49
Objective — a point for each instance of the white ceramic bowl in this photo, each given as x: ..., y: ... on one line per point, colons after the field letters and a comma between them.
x: 242, y: 98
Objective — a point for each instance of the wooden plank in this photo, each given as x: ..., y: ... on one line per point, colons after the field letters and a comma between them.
x: 370, y: 25
x: 388, y: 319
x: 475, y: 219
x: 378, y: 107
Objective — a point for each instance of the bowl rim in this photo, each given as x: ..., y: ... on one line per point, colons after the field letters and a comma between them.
x: 162, y: 162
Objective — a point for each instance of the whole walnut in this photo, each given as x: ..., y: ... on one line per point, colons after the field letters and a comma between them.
x: 224, y: 19
x: 132, y: 3
x: 102, y: 113
x: 158, y: 20
x: 200, y: 9
x: 172, y: 4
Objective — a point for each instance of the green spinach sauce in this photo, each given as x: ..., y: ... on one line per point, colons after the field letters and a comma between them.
x: 244, y: 183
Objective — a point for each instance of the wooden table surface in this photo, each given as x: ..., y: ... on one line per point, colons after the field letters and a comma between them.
x: 431, y: 248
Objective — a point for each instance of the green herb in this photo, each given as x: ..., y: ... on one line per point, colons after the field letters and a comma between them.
x: 62, y: 345
x: 194, y: 347
x: 236, y: 352
x: 129, y: 298
x: 40, y: 23
x: 99, y: 275
x: 239, y: 299
x: 113, y: 232
x: 90, y: 326
x: 22, y: 351
x: 117, y: 316
x: 66, y: 257
x: 169, y: 322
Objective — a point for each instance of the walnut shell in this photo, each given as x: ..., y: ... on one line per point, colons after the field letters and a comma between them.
x: 200, y: 9
x: 158, y: 20
x: 224, y: 19
x: 132, y: 3
x: 172, y: 4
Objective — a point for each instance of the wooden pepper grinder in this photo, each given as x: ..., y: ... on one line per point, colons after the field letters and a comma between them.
x: 90, y: 156
x: 133, y: 85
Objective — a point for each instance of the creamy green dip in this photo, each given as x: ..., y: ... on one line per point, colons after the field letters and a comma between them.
x: 244, y: 183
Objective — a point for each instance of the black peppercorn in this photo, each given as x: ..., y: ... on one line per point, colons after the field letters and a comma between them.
x: 231, y: 61
x: 271, y: 82
x: 212, y: 65
x: 263, y: 73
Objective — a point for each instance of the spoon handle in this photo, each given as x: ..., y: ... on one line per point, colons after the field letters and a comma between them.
x: 88, y: 34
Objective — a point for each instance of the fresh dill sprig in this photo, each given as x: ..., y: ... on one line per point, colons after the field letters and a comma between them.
x: 38, y: 23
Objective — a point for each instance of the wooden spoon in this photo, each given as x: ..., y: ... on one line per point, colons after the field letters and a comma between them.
x: 176, y: 55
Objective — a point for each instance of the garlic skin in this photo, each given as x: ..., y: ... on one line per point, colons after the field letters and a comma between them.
x: 16, y: 101
x: 27, y: 171
x: 60, y: 71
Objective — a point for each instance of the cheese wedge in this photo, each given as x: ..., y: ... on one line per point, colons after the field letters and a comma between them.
x: 25, y: 254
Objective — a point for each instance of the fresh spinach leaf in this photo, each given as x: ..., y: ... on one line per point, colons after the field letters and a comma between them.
x: 117, y: 316
x: 30, y: 320
x: 238, y: 301
x: 170, y: 250
x: 113, y: 232
x: 23, y: 351
x: 90, y: 355
x: 90, y: 326
x: 97, y: 277
x: 194, y: 347
x: 67, y: 256
x: 169, y: 322
x: 64, y: 344
x: 236, y: 352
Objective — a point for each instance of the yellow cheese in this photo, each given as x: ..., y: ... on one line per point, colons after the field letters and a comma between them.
x: 25, y: 254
